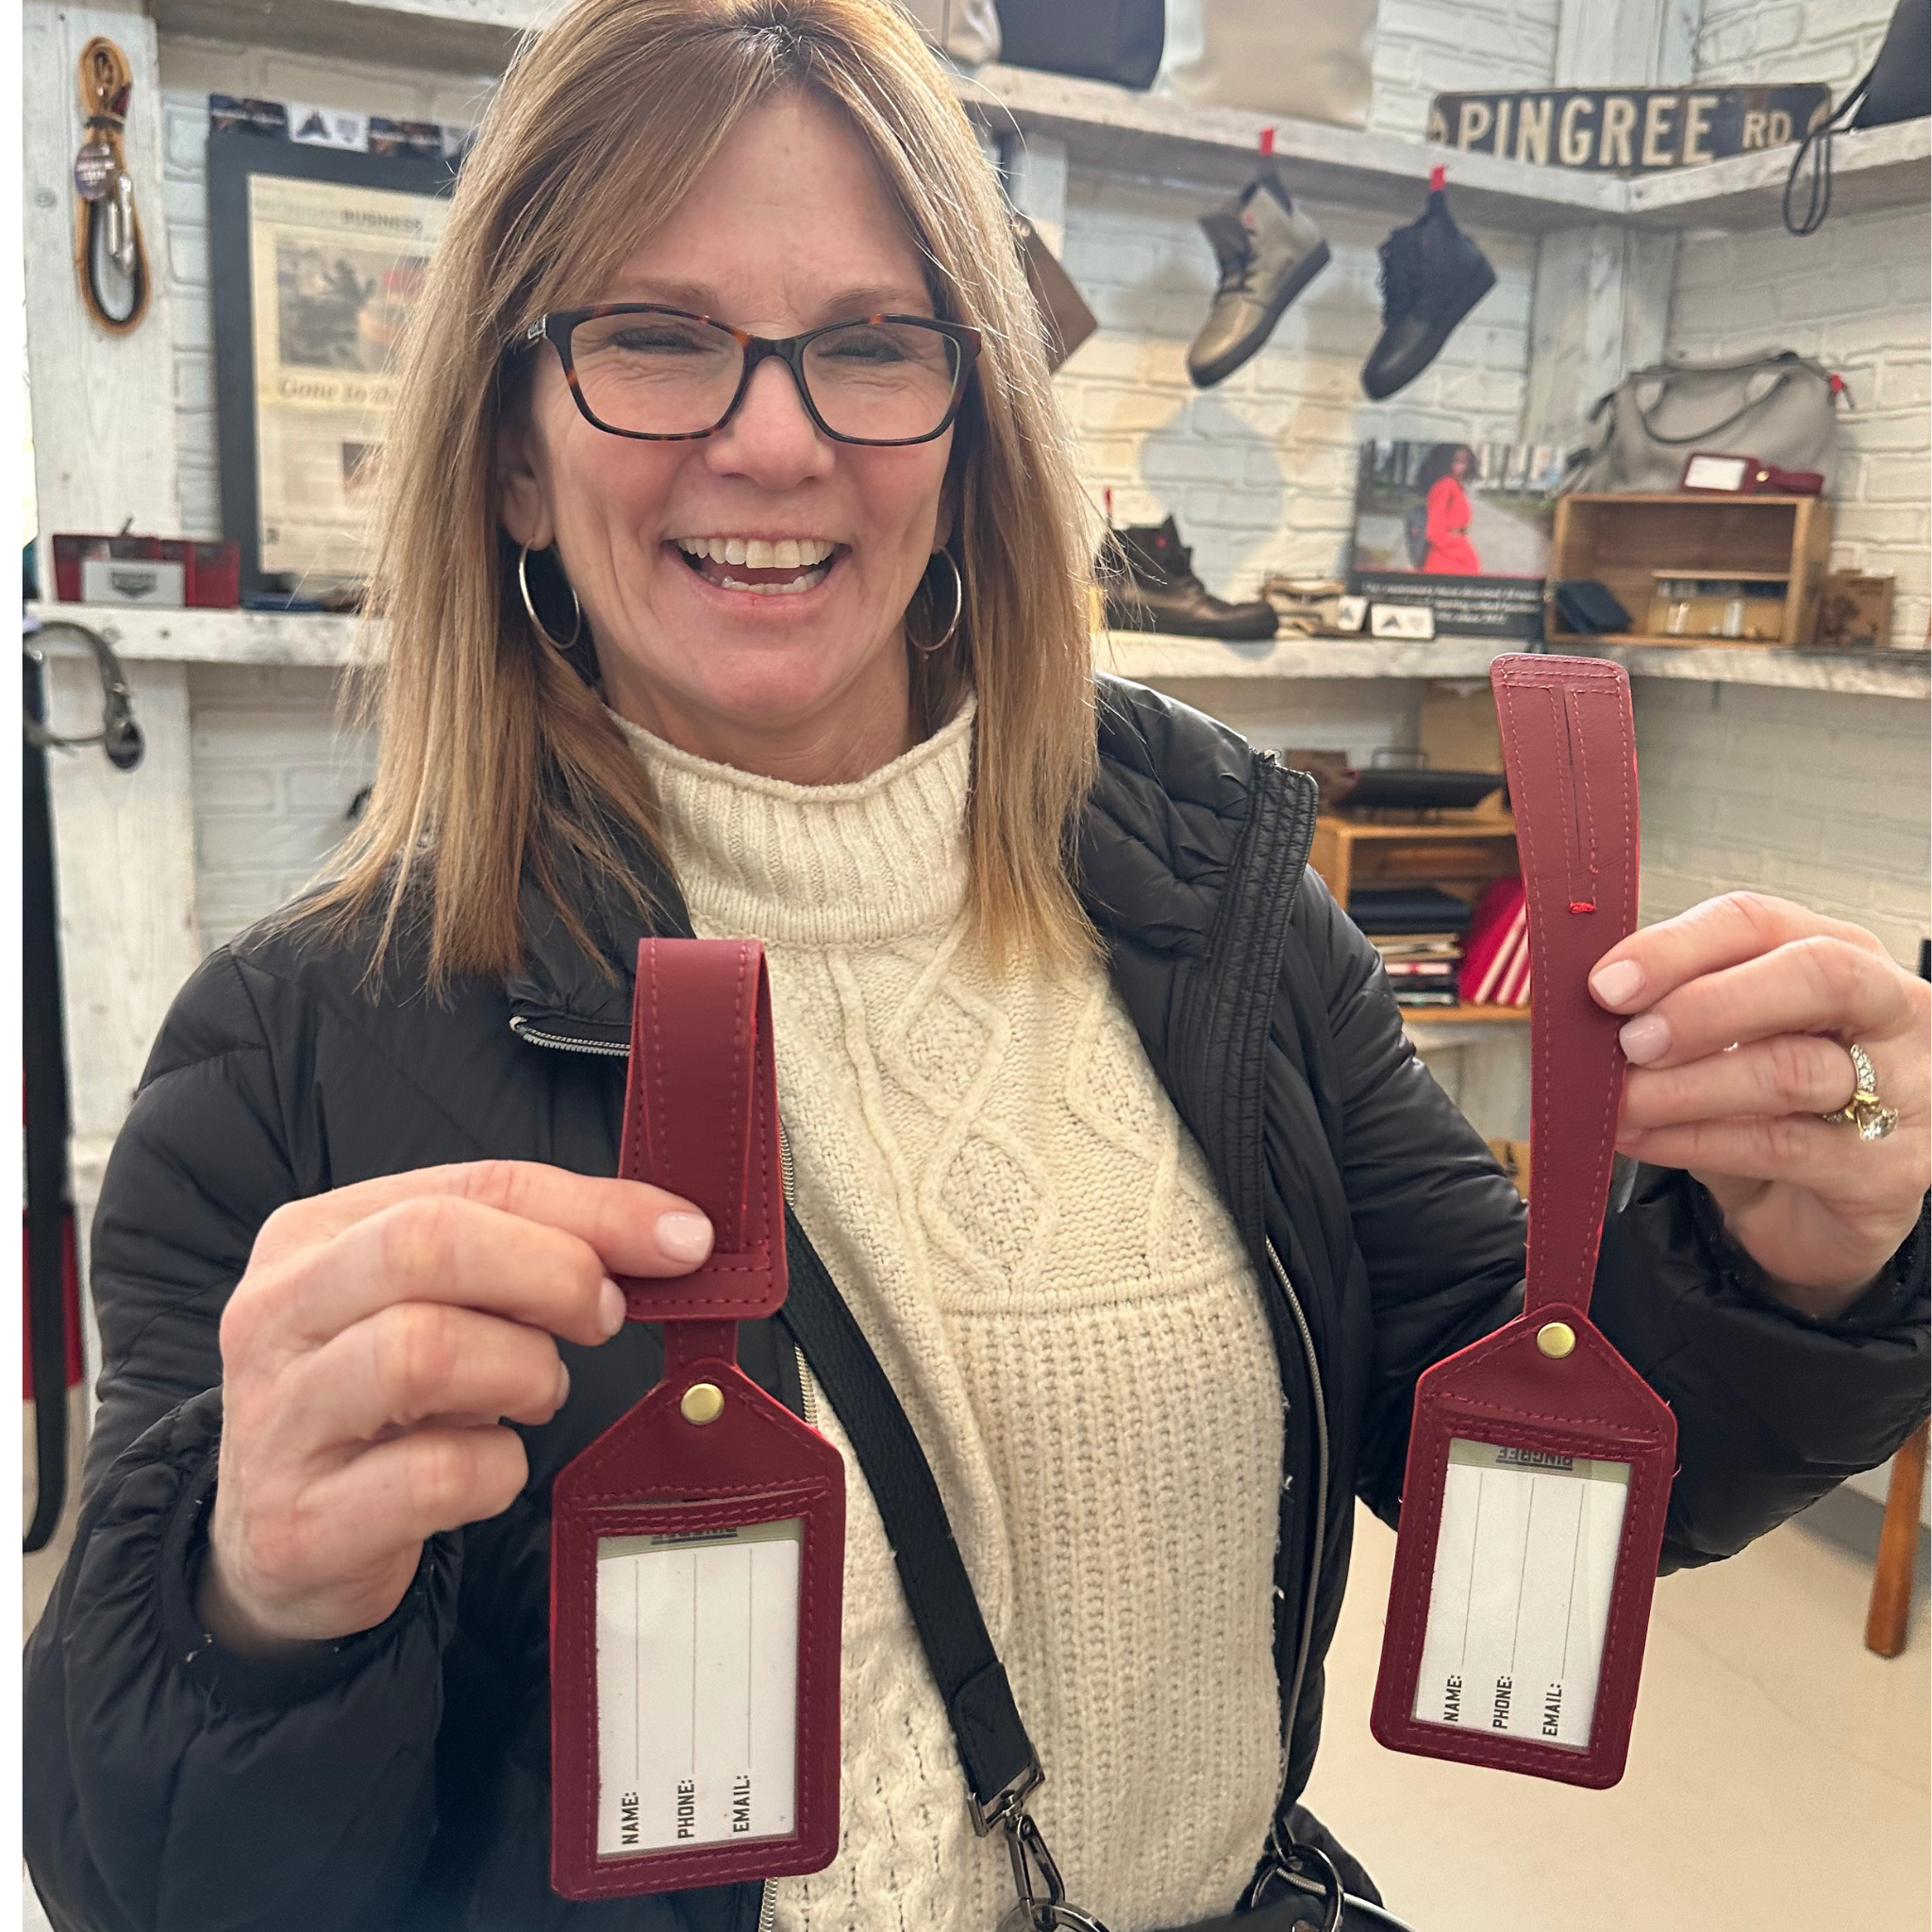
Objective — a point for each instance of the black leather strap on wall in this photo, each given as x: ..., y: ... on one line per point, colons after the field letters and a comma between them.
x: 44, y: 1067
x: 994, y: 1750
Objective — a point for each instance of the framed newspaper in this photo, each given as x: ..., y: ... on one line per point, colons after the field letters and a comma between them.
x: 315, y: 254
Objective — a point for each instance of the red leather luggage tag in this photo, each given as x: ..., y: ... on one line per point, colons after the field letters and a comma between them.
x: 697, y: 1546
x: 1539, y: 1462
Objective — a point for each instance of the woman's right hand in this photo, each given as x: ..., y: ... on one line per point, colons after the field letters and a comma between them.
x: 369, y: 1355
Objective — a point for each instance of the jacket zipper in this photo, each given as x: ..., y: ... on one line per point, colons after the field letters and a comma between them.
x: 566, y: 1043
x: 1309, y: 1595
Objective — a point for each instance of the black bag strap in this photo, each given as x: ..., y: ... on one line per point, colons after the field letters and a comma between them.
x: 1817, y: 144
x: 994, y: 1750
x: 995, y: 1753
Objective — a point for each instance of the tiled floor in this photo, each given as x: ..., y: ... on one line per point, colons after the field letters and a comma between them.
x: 1778, y: 1777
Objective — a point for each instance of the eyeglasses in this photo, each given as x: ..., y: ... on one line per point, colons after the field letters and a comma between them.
x: 665, y: 376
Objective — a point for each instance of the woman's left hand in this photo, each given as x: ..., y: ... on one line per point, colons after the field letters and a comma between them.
x: 1742, y: 1011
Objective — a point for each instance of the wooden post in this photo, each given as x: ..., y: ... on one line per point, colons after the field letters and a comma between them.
x: 1600, y: 305
x: 1599, y: 308
x: 105, y: 455
x: 1898, y: 1549
x: 124, y: 854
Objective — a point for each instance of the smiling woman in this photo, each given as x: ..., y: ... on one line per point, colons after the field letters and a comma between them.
x: 720, y: 276
x: 733, y: 585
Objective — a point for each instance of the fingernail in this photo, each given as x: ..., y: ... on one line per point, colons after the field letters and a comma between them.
x: 684, y: 1236
x: 610, y: 1306
x: 563, y: 1384
x: 1645, y: 1039
x: 1617, y: 983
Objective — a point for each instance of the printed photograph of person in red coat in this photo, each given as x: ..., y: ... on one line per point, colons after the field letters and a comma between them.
x: 1474, y: 520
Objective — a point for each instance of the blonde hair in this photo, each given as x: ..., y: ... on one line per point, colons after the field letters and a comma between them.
x: 497, y: 761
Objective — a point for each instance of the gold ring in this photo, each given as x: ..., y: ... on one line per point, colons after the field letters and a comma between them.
x: 1864, y: 1110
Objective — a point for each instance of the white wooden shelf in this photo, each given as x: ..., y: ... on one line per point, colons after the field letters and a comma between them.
x: 1880, y: 168
x: 1858, y: 673
x: 1147, y: 656
x: 1164, y: 136
x: 264, y: 637
x: 209, y: 637
x: 1155, y: 658
x: 451, y: 36
x: 1159, y: 134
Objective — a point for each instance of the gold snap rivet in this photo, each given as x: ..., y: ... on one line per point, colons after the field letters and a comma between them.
x: 703, y: 1402
x: 1555, y: 1339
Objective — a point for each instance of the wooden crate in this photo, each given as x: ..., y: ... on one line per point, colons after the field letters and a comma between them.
x: 1460, y: 853
x: 1622, y: 540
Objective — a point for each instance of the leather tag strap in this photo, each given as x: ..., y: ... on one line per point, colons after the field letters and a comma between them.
x: 701, y: 1121
x: 674, y: 1644
x: 1570, y: 753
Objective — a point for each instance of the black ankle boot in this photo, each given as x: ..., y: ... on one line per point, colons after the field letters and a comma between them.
x: 1432, y: 275
x: 1159, y: 591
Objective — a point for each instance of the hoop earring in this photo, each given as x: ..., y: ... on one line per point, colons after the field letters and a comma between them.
x: 945, y: 638
x: 531, y: 608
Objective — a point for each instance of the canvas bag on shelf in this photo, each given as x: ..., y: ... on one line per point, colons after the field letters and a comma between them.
x: 968, y: 30
x: 1308, y: 60
x: 1779, y: 406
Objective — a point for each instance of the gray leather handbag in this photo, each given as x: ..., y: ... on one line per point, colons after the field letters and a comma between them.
x: 1779, y: 406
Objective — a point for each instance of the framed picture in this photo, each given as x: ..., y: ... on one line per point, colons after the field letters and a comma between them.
x: 1462, y: 528
x: 316, y: 255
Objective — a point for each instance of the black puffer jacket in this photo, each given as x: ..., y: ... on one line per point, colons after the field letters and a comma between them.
x: 399, y: 1778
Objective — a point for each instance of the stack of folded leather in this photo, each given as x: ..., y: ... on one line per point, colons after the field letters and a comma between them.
x: 1418, y: 930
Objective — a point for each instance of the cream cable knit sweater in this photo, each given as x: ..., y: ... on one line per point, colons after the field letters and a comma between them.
x: 1033, y: 1246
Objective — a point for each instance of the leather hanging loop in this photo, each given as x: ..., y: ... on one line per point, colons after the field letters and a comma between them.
x: 1570, y: 754
x: 108, y: 238
x: 700, y: 1120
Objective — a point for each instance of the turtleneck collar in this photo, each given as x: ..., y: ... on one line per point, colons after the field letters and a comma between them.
x: 854, y: 864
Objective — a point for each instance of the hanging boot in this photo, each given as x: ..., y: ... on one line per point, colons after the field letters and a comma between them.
x: 1269, y: 252
x: 1432, y: 275
x: 1160, y: 591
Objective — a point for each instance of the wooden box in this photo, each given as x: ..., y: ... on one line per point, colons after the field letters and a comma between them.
x: 1855, y: 612
x: 1461, y: 854
x: 1623, y: 540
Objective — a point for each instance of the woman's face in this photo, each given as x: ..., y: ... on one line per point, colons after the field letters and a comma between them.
x: 805, y: 677
x: 1459, y: 463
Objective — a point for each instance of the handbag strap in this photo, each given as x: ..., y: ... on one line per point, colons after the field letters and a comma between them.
x: 1571, y: 756
x: 1716, y: 430
x: 1817, y: 145
x: 995, y: 1753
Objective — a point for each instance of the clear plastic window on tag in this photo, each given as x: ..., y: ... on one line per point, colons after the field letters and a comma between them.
x: 697, y: 1677
x: 1520, y: 1599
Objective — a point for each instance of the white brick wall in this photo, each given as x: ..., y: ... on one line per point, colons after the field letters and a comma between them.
x: 1427, y: 47
x: 1820, y: 800
x: 1853, y: 295
x: 273, y: 783
x: 1260, y: 470
x: 1739, y: 41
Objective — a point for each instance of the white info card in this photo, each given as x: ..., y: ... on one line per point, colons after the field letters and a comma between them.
x: 1520, y: 1601
x: 697, y: 1687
